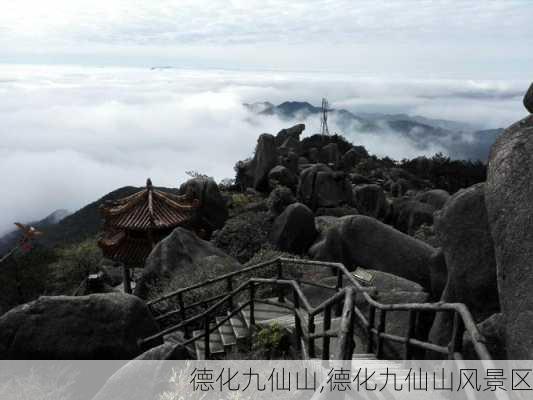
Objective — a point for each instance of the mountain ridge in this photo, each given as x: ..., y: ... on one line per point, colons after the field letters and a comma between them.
x: 461, y: 140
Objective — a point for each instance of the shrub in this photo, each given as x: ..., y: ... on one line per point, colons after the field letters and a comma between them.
x: 23, y: 277
x: 272, y: 342
x: 74, y: 263
x: 244, y: 234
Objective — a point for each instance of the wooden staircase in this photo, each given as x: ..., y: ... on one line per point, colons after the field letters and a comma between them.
x: 220, y: 322
x: 237, y: 331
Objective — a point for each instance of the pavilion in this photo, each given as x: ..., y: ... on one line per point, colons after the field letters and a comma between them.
x: 136, y: 223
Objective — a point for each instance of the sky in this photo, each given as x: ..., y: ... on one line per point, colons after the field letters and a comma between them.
x: 83, y: 112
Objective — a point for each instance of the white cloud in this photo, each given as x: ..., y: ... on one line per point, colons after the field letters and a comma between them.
x: 485, y: 39
x: 71, y: 134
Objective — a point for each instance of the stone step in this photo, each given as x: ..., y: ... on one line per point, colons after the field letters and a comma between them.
x: 226, y: 332
x: 174, y: 337
x: 264, y: 312
x: 215, y: 343
x: 287, y: 321
x: 240, y: 330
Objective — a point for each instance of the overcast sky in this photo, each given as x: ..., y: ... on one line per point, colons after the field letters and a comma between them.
x: 70, y: 134
x: 453, y: 39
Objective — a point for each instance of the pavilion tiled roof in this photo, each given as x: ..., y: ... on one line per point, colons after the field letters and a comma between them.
x: 148, y: 209
x: 135, y: 223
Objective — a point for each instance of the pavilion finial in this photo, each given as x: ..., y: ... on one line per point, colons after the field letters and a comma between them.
x: 148, y: 183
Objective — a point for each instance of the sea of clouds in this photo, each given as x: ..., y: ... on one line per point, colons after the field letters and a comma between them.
x: 69, y: 135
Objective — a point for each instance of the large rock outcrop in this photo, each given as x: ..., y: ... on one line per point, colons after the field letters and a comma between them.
x: 329, y: 155
x: 508, y: 196
x: 212, y: 209
x: 180, y: 254
x: 493, y: 331
x: 292, y: 133
x: 98, y: 326
x: 265, y: 158
x: 408, y: 215
x: 280, y: 175
x: 322, y: 187
x: 528, y: 99
x: 435, y: 197
x: 352, y: 157
x: 294, y: 229
x: 463, y: 231
x: 370, y: 200
x: 366, y: 242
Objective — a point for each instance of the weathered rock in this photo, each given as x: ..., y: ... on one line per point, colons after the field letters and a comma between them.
x: 279, y: 199
x: 438, y: 275
x: 366, y: 242
x: 321, y: 187
x: 244, y: 174
x: 397, y: 189
x: 463, y: 232
x: 94, y: 283
x: 370, y: 200
x: 141, y: 379
x: 352, y: 157
x: 265, y: 158
x: 435, y: 197
x: 336, y: 211
x: 332, y: 189
x: 306, y: 188
x: 302, y: 160
x: 291, y: 144
x: 280, y: 175
x: 329, y: 155
x: 408, y: 215
x: 358, y: 179
x: 528, y: 99
x: 293, y: 132
x: 508, y: 195
x: 291, y: 162
x: 313, y: 155
x: 322, y: 224
x: 212, y: 210
x: 167, y: 351
x: 98, y: 326
x: 294, y: 229
x: 182, y: 252
x: 493, y: 331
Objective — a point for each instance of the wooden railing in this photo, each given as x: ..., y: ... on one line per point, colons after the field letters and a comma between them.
x: 342, y: 304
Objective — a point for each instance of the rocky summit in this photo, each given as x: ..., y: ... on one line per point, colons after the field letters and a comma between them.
x: 430, y: 229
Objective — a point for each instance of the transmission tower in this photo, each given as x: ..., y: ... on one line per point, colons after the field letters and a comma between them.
x: 324, y: 118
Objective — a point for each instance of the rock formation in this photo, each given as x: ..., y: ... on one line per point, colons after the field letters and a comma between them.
x: 463, y: 231
x: 182, y: 252
x: 294, y: 229
x: 212, y: 210
x: 366, y: 242
x: 508, y: 196
x: 98, y: 326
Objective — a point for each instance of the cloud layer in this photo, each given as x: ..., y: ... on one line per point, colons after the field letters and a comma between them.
x: 448, y: 38
x: 71, y: 134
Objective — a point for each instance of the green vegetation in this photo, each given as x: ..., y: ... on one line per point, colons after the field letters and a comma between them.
x: 73, y: 264
x: 272, y: 342
x: 44, y: 271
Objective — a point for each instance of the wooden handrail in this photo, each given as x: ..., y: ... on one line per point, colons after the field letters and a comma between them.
x: 463, y: 320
